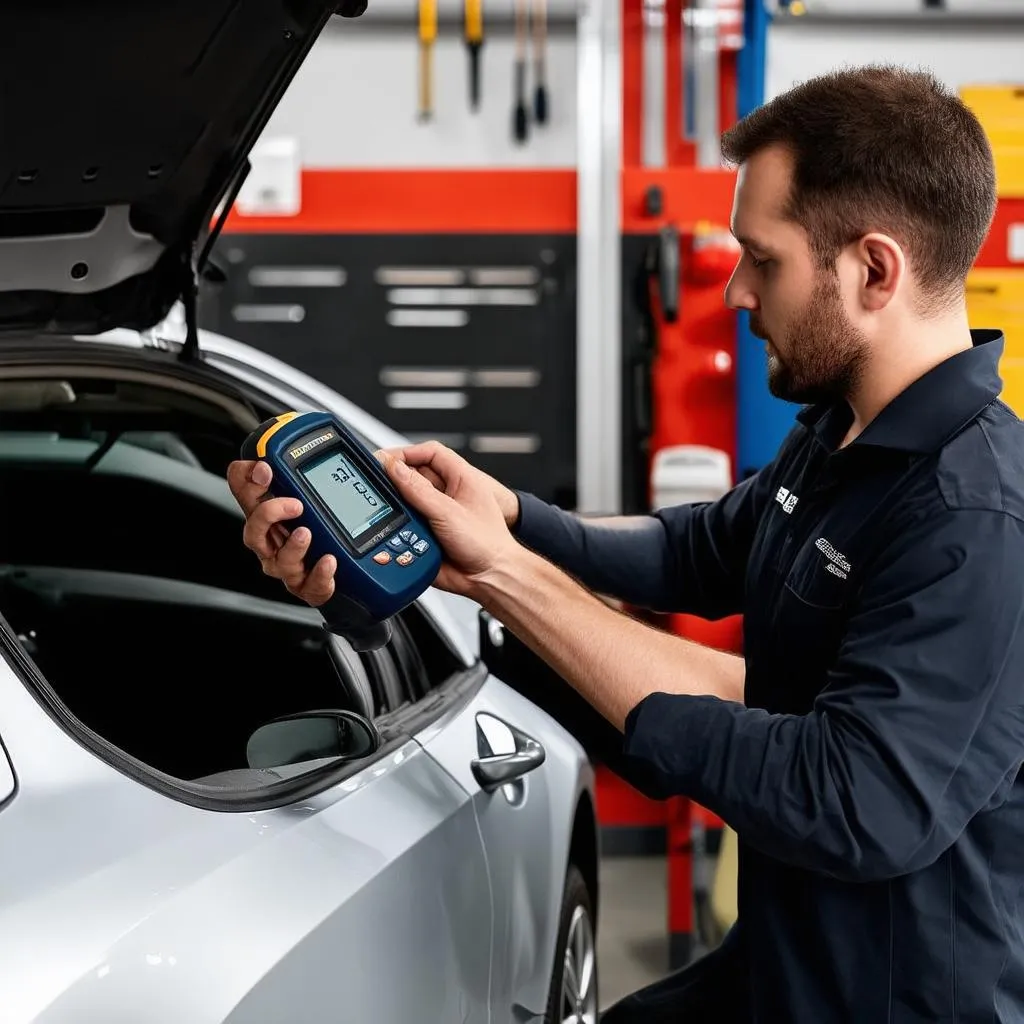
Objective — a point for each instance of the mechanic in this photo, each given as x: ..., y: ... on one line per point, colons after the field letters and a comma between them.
x: 866, y: 747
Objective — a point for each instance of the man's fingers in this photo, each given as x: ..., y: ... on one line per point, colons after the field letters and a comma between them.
x: 257, y: 533
x: 421, y: 455
x: 428, y: 474
x: 319, y: 585
x: 446, y: 465
x: 288, y: 562
x: 417, y: 490
x: 249, y: 480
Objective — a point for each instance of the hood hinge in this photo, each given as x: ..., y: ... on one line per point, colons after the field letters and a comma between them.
x: 194, y: 268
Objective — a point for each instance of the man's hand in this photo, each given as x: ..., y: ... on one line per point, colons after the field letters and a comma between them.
x: 421, y: 457
x: 279, y: 550
x: 468, y: 511
x: 466, y: 505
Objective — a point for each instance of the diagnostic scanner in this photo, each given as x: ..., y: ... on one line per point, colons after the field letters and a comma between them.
x: 386, y: 555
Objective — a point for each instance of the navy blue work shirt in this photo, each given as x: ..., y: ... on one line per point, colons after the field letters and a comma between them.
x: 872, y: 774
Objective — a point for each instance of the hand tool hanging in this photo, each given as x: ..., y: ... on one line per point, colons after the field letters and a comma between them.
x: 427, y: 37
x: 540, y: 32
x: 474, y: 31
x: 520, y: 118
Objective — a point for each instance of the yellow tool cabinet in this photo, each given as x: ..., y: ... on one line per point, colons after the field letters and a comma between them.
x: 995, y: 295
x: 995, y: 298
x: 1000, y: 109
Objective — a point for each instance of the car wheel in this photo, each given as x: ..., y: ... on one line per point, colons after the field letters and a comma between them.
x: 573, y: 995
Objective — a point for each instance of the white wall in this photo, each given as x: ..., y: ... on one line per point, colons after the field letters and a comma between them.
x: 959, y: 54
x: 353, y: 104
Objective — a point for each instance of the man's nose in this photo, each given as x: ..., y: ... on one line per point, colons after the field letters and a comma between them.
x: 738, y: 293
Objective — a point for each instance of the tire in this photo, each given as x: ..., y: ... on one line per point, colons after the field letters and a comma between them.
x: 576, y: 943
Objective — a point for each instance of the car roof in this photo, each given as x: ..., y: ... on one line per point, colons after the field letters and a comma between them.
x: 260, y: 369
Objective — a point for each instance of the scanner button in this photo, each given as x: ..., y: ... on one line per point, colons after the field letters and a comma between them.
x: 397, y: 543
x: 412, y: 540
x: 406, y: 535
x: 382, y: 557
x: 405, y: 558
x: 420, y: 547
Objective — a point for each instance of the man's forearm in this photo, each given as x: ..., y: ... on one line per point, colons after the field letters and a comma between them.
x: 628, y: 558
x: 612, y: 660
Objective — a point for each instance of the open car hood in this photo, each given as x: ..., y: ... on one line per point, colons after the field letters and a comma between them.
x: 123, y: 124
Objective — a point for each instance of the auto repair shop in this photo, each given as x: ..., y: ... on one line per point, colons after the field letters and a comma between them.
x: 506, y: 227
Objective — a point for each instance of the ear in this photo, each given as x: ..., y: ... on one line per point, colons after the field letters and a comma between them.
x: 883, y: 268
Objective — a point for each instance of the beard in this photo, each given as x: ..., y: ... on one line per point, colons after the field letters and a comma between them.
x: 824, y: 353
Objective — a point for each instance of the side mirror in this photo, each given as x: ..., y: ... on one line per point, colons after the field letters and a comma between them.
x: 312, y: 735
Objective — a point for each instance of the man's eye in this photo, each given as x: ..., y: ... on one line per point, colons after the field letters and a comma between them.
x: 755, y: 262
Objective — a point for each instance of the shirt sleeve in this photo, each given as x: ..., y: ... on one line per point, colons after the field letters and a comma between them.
x: 919, y: 726
x: 687, y: 558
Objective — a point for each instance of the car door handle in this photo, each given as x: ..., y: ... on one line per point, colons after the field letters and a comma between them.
x: 506, y: 753
x: 494, y: 772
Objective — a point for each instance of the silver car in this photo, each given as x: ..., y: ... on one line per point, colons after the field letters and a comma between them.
x: 211, y: 809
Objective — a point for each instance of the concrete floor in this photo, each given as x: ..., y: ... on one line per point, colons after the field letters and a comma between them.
x: 632, y: 937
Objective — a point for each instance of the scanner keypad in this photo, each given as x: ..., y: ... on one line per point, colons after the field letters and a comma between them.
x: 407, y: 545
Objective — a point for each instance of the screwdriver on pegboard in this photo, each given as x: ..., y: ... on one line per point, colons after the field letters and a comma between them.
x: 474, y: 33
x: 540, y: 32
x: 427, y: 38
x: 520, y: 117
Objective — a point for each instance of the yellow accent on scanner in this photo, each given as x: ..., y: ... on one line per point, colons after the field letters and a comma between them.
x: 279, y: 422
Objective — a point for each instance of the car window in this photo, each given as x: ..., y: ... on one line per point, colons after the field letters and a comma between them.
x: 178, y: 675
x: 127, y: 586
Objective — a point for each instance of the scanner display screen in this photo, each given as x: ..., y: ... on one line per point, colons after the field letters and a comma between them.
x: 345, y: 491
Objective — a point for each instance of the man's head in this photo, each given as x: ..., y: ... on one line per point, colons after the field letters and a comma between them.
x: 862, y: 200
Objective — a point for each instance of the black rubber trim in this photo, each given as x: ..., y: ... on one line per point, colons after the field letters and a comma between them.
x: 457, y: 691
x: 5, y: 753
x: 384, y: 676
x: 415, y: 679
x: 213, y: 798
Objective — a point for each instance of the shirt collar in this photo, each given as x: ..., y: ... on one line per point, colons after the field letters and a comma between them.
x: 925, y: 415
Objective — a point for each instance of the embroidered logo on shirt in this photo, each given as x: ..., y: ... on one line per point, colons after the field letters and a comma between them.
x: 787, y: 500
x: 837, y: 563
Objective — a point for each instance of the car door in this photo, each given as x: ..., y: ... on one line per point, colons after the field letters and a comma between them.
x: 496, y: 747
x: 393, y: 904
x: 368, y: 900
x: 366, y: 905
x: 416, y: 941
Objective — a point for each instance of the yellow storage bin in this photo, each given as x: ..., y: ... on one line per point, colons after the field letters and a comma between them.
x: 1000, y: 108
x: 1002, y: 284
x: 994, y: 102
x: 994, y: 292
x: 995, y: 299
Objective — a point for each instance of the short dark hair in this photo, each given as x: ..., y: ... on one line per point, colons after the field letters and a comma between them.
x: 881, y: 148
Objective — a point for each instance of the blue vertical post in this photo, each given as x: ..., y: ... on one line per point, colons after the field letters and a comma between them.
x: 763, y: 420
